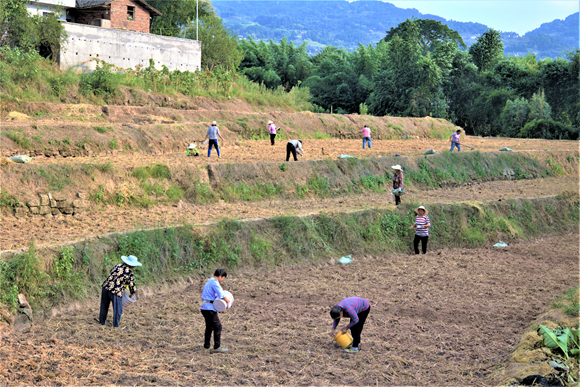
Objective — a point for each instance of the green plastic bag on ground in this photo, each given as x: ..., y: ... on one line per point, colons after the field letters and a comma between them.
x: 430, y: 152
x: 505, y: 149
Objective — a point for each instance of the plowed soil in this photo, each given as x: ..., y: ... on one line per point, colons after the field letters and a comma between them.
x: 449, y: 317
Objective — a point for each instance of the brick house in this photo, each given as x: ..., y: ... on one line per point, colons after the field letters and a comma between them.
x: 133, y: 15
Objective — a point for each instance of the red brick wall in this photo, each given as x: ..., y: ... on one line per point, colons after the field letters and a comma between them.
x: 140, y: 22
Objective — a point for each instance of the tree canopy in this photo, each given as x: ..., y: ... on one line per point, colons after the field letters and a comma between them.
x: 177, y: 15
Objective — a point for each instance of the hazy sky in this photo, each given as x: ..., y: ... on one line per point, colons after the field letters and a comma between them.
x: 520, y: 16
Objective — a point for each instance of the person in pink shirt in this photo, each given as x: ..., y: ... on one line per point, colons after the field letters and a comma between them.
x: 272, y: 129
x: 455, y: 140
x: 366, y: 131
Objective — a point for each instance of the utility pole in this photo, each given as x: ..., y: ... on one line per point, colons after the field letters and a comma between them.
x: 196, y: 18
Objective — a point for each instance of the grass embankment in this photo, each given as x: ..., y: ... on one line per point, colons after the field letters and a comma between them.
x: 29, y: 77
x: 54, y: 275
x: 159, y: 184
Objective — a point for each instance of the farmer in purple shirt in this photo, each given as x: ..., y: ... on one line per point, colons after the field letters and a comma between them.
x: 355, y: 308
x: 366, y: 131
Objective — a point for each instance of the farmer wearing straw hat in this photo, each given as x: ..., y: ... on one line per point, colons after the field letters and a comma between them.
x: 272, y: 129
x: 355, y: 308
x: 213, y: 133
x: 422, y: 224
x: 112, y: 289
x: 398, y: 182
x: 192, y: 150
x: 212, y: 291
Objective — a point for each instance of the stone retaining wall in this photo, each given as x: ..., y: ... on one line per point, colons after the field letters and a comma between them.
x: 53, y: 204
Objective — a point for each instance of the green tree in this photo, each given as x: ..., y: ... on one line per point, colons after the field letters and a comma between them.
x: 177, y: 15
x: 514, y: 116
x: 219, y: 47
x: 488, y: 50
x: 539, y: 108
x: 409, y: 82
x: 431, y: 34
x: 18, y: 29
x: 275, y: 64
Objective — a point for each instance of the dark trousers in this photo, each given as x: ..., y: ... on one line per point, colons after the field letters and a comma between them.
x: 212, y: 324
x: 397, y: 200
x: 106, y: 298
x: 272, y: 137
x: 357, y: 328
x: 291, y: 149
x: 424, y: 240
x: 211, y: 144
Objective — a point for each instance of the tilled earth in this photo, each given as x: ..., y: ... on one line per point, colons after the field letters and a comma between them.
x: 449, y: 317
x: 15, y: 233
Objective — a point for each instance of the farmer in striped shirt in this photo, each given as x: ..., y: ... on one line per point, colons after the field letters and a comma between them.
x: 422, y: 225
x: 355, y: 308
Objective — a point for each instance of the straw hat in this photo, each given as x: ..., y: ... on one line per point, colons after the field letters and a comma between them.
x: 214, y: 123
x: 397, y: 167
x: 191, y: 146
x: 421, y: 208
x: 270, y: 122
x: 131, y: 260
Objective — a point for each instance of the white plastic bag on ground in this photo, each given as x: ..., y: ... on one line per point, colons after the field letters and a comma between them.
x: 21, y: 159
x: 505, y: 149
x: 430, y: 152
x: 346, y: 259
x: 500, y: 244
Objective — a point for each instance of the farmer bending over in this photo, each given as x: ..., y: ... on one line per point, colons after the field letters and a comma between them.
x: 121, y: 276
x: 294, y: 146
x: 212, y: 291
x: 355, y: 308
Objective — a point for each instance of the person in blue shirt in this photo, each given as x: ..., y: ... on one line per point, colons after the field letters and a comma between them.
x: 212, y: 291
x: 213, y: 133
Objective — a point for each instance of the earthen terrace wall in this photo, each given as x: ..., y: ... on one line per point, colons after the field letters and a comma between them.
x: 126, y: 49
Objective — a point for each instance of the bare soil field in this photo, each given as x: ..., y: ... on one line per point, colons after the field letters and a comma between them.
x: 16, y: 233
x: 450, y: 317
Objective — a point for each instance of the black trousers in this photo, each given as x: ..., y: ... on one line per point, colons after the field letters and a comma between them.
x: 424, y: 240
x: 291, y: 149
x: 397, y: 200
x: 357, y: 328
x: 212, y: 324
x: 272, y: 137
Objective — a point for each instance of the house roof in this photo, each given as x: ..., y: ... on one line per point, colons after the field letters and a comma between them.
x: 81, y: 4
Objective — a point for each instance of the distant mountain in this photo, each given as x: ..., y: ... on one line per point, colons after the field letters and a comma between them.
x: 549, y: 40
x: 345, y: 24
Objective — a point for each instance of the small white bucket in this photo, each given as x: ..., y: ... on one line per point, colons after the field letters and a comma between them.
x: 127, y: 299
x: 222, y: 305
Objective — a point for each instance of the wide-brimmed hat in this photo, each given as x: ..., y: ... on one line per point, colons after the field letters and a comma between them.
x: 191, y: 146
x: 131, y: 260
x: 397, y: 167
x: 270, y: 122
x: 214, y: 123
x: 421, y: 208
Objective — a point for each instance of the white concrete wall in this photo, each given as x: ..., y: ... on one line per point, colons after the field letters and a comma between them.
x: 56, y: 6
x: 126, y: 49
